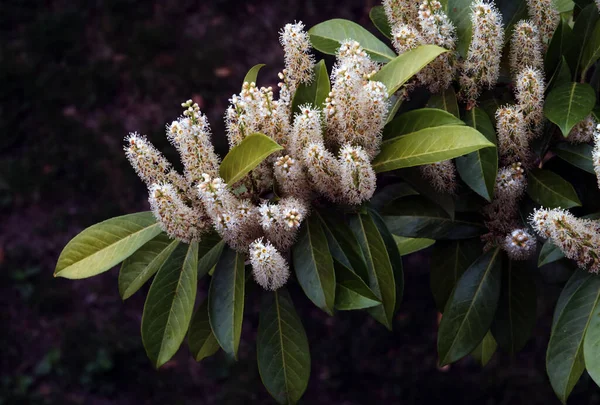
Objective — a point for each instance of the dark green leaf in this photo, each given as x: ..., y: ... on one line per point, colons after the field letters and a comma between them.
x: 582, y: 32
x: 390, y: 193
x: 569, y: 104
x: 351, y: 291
x: 550, y: 190
x: 315, y: 92
x: 201, y: 339
x: 407, y: 246
x: 549, y: 254
x: 591, y: 51
x: 209, y: 252
x: 560, y: 43
x: 591, y: 344
x: 470, y: 309
x: 415, y: 179
x: 283, y: 353
x: 579, y: 155
x: 459, y: 11
x: 417, y: 120
x: 446, y: 100
x: 486, y: 349
x: 379, y: 19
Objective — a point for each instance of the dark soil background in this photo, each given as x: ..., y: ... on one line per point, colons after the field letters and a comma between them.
x: 75, y: 78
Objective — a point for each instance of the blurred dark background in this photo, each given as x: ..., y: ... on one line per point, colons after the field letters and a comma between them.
x: 75, y: 78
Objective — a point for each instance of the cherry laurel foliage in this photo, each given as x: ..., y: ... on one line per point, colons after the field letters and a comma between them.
x: 327, y: 187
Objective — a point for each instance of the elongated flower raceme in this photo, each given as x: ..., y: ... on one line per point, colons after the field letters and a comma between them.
x: 482, y: 65
x: 269, y: 268
x: 513, y: 135
x: 291, y: 178
x: 299, y: 62
x: 579, y: 239
x: 525, y: 48
x: 358, y: 179
x: 596, y: 153
x: 324, y: 170
x: 281, y: 221
x: 544, y: 15
x: 530, y: 96
x: 519, y: 245
x: 583, y: 132
x: 441, y: 175
x: 307, y: 129
x: 400, y: 11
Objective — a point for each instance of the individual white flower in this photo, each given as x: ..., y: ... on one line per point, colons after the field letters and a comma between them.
x: 519, y: 245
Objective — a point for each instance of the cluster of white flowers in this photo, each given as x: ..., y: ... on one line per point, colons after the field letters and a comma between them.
x: 579, y: 239
x: 596, y: 153
x: 525, y: 47
x: 263, y: 215
x: 481, y: 67
x: 529, y: 91
x: 513, y: 136
x: 441, y: 175
x: 583, y: 132
x: 544, y: 15
x: 519, y: 245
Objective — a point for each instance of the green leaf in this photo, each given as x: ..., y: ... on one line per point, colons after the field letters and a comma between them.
x: 351, y: 292
x: 459, y: 11
x: 565, y: 355
x: 579, y: 155
x: 209, y: 253
x: 245, y: 156
x: 550, y: 190
x: 550, y: 253
x: 282, y: 346
x: 429, y: 145
x: 560, y: 43
x: 314, y: 93
x: 446, y: 100
x: 486, y: 349
x: 314, y: 265
x: 415, y: 179
x: 591, y: 50
x: 407, y: 246
x: 418, y: 218
x: 449, y: 261
x: 470, y: 309
x: 591, y: 345
x: 169, y: 304
x: 402, y: 68
x: 201, y: 339
x: 390, y: 193
x: 381, y: 275
x: 102, y: 246
x: 583, y: 30
x: 380, y: 21
x: 516, y: 313
x: 561, y: 76
x: 479, y: 169
x: 512, y: 12
x: 417, y: 120
x: 252, y: 75
x: 395, y: 101
x: 226, y: 301
x: 143, y: 264
x: 328, y: 35
x: 569, y: 104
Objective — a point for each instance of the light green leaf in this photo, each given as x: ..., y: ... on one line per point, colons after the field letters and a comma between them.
x: 380, y: 21
x: 446, y: 100
x: 102, y: 246
x: 245, y: 156
x: 351, y: 292
x: 550, y: 190
x: 470, y: 309
x: 591, y: 50
x: 143, y: 264
x: 479, y: 169
x: 516, y: 314
x: 579, y: 155
x: 549, y: 253
x: 328, y: 35
x: 282, y: 346
x: 417, y: 120
x: 486, y: 349
x: 565, y: 355
x: 169, y: 304
x: 313, y: 264
x: 381, y: 274
x: 395, y: 101
x: 252, y: 75
x: 449, y: 261
x: 201, y: 339
x: 315, y: 92
x: 407, y: 246
x: 429, y: 145
x: 402, y: 68
x: 569, y: 104
x: 226, y: 301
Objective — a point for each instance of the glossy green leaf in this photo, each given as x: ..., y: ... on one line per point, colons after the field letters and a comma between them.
x: 381, y: 275
x: 470, y: 309
x: 315, y: 92
x: 569, y: 104
x: 512, y: 12
x: 516, y: 314
x: 449, y: 261
x: 328, y: 35
x: 446, y: 101
x: 282, y: 346
x: 388, y: 194
x: 591, y: 344
x: 351, y: 292
x: 201, y: 340
x: 565, y: 355
x: 579, y: 155
x: 429, y: 145
x: 313, y: 264
x: 397, y: 72
x: 417, y: 120
x: 591, y: 51
x: 415, y: 179
x: 226, y: 301
x: 395, y: 101
x: 560, y: 44
x: 583, y: 31
x: 252, y: 75
x: 169, y: 304
x: 479, y: 169
x: 418, y: 218
x: 104, y: 245
x: 549, y: 254
x: 550, y: 190
x: 380, y: 21
x: 245, y: 156
x: 486, y: 349
x: 407, y: 246
x: 459, y: 11
x: 144, y: 263
x: 209, y: 252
